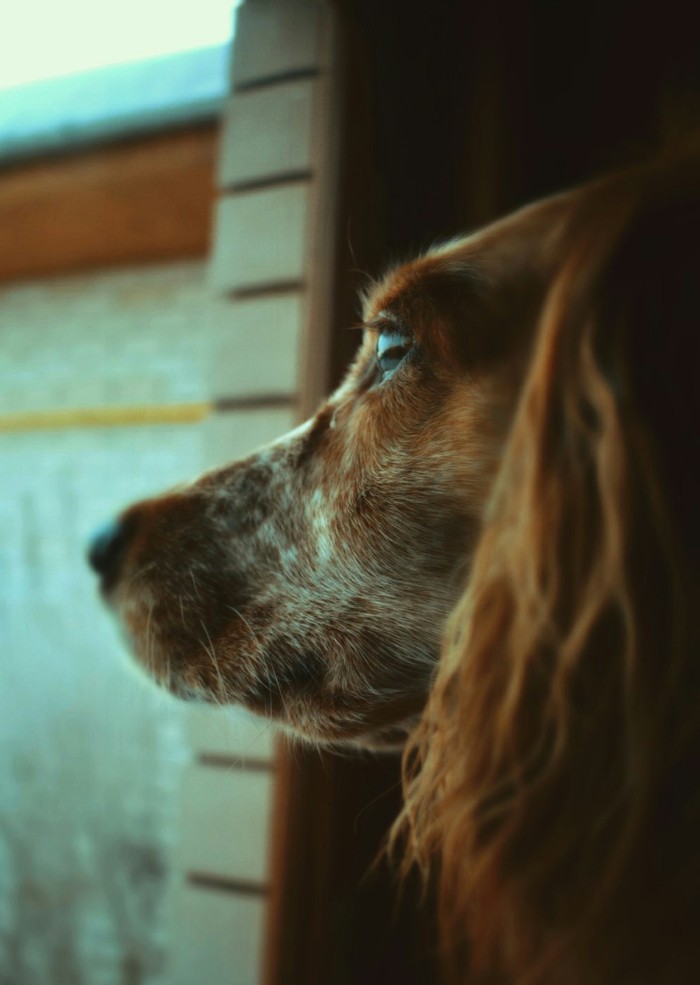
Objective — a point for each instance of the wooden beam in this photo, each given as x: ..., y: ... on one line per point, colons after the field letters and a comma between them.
x: 134, y: 202
x: 113, y: 416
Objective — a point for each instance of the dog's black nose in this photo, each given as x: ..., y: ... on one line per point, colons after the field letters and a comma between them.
x: 106, y: 549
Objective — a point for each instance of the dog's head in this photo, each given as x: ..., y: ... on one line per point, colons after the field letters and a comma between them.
x: 517, y: 442
x: 312, y: 581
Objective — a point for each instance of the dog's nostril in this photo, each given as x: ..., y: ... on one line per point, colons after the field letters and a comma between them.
x: 106, y: 548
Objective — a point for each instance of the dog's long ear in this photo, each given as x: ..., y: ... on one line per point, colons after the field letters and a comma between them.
x: 555, y: 773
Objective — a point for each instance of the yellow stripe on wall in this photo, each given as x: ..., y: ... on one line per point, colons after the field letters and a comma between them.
x: 134, y: 415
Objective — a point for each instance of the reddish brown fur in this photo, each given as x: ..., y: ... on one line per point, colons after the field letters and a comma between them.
x: 502, y: 527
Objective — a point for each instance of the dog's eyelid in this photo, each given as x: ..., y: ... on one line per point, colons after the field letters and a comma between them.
x: 387, y: 323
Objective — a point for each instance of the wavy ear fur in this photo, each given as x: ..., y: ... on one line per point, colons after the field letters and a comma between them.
x: 555, y: 777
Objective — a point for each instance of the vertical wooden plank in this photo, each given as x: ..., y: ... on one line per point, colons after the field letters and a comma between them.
x: 300, y: 933
x: 322, y: 219
x: 254, y: 254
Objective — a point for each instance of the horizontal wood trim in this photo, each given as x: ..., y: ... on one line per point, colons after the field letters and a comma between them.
x: 277, y: 78
x: 220, y: 762
x: 134, y: 202
x: 267, y: 289
x: 219, y: 884
x: 257, y: 184
x: 261, y: 401
x: 104, y: 417
x: 140, y: 415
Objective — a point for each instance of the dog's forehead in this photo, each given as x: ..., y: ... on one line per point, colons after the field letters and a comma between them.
x: 411, y: 284
x: 422, y: 299
x: 472, y: 278
x: 530, y: 235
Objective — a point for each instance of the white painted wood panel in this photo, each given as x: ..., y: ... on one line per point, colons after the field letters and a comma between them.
x: 274, y: 38
x: 231, y: 732
x: 259, y: 352
x: 218, y: 939
x: 267, y: 132
x: 260, y: 238
x: 231, y: 436
x: 224, y: 822
x: 156, y: 335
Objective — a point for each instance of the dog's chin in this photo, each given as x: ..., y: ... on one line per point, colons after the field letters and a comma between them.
x: 299, y: 712
x: 347, y: 734
x: 391, y: 739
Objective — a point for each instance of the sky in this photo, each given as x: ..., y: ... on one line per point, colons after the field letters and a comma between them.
x: 43, y: 39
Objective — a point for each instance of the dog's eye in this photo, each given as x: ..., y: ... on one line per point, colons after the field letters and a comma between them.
x: 391, y: 349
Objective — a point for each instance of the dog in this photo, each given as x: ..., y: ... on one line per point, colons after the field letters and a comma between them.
x: 484, y: 548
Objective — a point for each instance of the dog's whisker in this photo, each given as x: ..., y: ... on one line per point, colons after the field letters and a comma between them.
x: 150, y: 663
x: 253, y: 635
x: 208, y: 647
x: 194, y: 583
x: 140, y: 574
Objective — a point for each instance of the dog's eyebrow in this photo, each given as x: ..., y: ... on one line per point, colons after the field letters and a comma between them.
x: 388, y: 319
